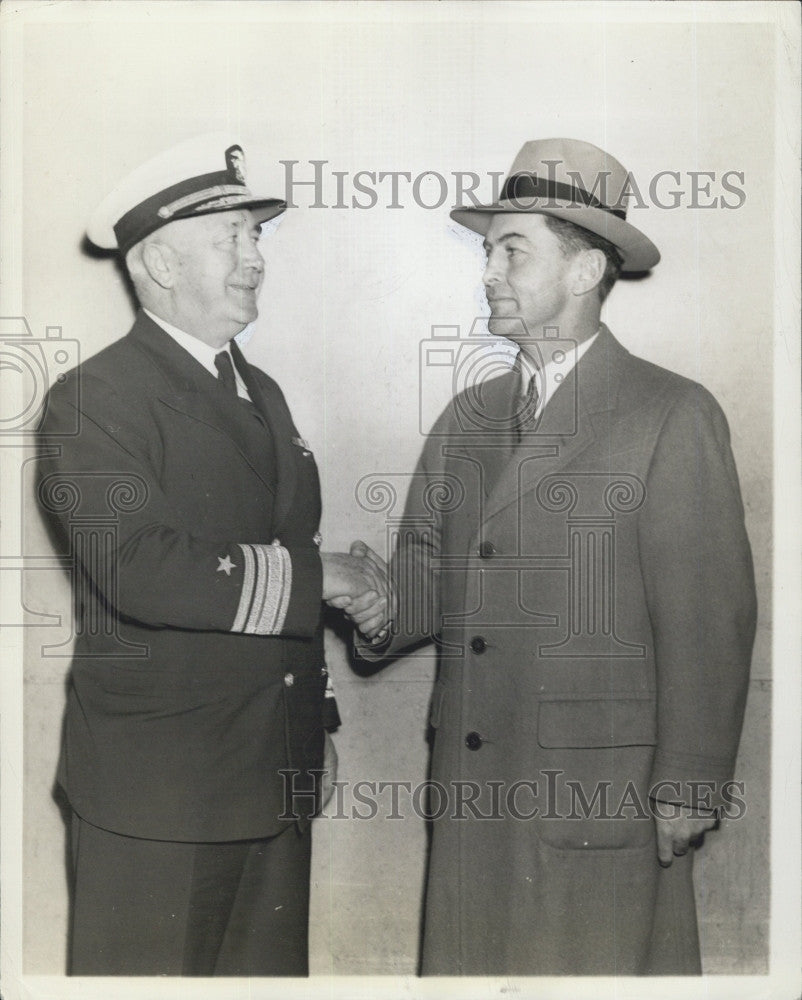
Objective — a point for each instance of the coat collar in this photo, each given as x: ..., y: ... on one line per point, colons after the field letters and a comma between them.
x: 185, y: 385
x: 567, y: 426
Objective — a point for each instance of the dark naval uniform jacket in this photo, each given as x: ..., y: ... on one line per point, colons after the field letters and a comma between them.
x: 591, y: 594
x: 191, y: 517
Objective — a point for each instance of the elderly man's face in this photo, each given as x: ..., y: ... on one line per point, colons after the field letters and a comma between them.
x: 527, y: 278
x: 218, y: 274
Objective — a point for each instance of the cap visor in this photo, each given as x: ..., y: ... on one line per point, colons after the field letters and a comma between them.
x: 262, y: 209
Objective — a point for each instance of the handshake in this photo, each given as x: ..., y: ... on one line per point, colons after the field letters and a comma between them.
x: 358, y: 583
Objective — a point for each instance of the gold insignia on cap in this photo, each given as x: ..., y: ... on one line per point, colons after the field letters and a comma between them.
x: 235, y: 161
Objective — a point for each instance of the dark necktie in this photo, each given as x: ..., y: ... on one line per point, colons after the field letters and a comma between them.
x: 225, y: 370
x: 525, y: 417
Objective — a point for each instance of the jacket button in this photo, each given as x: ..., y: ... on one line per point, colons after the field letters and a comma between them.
x: 487, y: 550
x: 473, y: 741
x: 478, y: 644
x: 289, y: 680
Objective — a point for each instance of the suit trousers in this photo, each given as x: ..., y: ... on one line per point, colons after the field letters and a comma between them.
x: 151, y: 907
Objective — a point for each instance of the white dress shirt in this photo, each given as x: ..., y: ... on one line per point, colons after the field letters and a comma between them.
x: 202, y: 353
x: 553, y: 373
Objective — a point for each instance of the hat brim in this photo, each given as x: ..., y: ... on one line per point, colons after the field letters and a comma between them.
x: 637, y: 250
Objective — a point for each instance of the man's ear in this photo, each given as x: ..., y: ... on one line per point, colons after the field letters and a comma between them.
x: 160, y: 261
x: 590, y: 267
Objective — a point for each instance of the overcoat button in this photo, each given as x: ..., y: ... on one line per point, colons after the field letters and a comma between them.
x: 478, y: 644
x: 487, y: 550
x: 473, y: 741
x: 289, y: 680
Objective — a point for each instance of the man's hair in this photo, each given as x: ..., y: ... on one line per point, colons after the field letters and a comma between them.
x: 573, y: 238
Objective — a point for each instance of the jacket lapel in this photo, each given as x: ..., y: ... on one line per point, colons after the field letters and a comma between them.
x: 186, y: 386
x: 566, y: 427
x: 267, y: 398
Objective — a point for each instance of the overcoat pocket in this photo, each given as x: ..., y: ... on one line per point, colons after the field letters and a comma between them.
x: 599, y: 721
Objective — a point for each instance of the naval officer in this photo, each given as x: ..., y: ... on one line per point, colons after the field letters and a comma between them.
x: 202, y: 697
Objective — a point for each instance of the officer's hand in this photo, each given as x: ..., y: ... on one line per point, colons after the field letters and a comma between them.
x: 677, y: 828
x: 346, y: 577
x: 373, y: 618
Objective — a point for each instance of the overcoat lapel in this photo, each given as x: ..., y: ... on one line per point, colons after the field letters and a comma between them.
x: 566, y: 427
x: 187, y: 387
x: 488, y: 452
x: 503, y: 396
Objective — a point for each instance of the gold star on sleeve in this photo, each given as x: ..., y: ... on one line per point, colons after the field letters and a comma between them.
x: 225, y: 565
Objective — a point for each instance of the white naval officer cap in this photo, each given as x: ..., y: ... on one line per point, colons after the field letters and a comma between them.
x: 200, y: 176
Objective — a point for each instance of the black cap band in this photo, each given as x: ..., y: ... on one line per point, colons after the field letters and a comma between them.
x: 190, y: 197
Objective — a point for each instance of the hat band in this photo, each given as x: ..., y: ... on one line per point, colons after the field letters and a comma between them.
x: 531, y: 186
x: 144, y: 218
x: 198, y: 199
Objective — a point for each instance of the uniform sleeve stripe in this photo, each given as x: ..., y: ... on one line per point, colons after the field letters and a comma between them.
x: 266, y: 590
x: 286, y: 591
x: 260, y: 588
x: 277, y: 597
x: 267, y: 617
x: 246, y: 595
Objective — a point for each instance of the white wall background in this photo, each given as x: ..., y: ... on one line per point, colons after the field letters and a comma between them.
x: 350, y: 294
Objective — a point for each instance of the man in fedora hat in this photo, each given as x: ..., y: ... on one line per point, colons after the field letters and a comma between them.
x: 588, y: 582
x: 197, y: 703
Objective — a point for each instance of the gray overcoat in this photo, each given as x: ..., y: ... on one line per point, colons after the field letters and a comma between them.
x: 591, y: 593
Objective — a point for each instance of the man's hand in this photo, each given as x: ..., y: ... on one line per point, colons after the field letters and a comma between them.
x: 347, y: 577
x: 677, y: 828
x: 372, y: 613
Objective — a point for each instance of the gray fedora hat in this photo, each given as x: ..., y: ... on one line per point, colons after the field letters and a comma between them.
x: 575, y: 181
